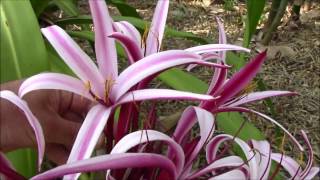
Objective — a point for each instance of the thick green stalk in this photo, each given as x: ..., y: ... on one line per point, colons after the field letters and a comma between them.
x: 282, y: 7
x: 272, y: 13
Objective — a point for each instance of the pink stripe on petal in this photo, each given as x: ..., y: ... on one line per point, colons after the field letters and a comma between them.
x: 79, y: 62
x: 54, y: 81
x: 89, y: 134
x: 312, y: 173
x: 289, y: 164
x: 234, y: 174
x: 263, y: 158
x: 240, y: 79
x: 132, y: 49
x: 33, y: 121
x: 139, y: 137
x: 205, y: 57
x: 222, y: 39
x: 104, y: 46
x: 111, y: 161
x: 255, y: 96
x: 213, y: 146
x: 148, y: 66
x: 157, y: 27
x: 209, y: 48
x: 206, y: 124
x: 308, y: 167
x: 161, y: 94
x: 128, y: 29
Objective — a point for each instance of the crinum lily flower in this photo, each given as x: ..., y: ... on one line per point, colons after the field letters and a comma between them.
x: 103, y: 84
x: 177, y: 164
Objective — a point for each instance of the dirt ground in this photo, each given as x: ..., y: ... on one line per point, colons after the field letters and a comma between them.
x: 293, y: 58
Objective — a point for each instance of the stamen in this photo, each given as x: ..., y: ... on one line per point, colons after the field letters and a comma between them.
x: 95, y: 97
x: 243, y: 93
x: 248, y: 89
x: 107, y: 89
x: 144, y: 37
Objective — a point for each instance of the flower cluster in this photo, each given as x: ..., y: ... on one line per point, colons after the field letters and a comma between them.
x: 165, y: 157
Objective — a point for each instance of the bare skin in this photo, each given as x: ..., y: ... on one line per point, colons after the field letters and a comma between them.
x: 60, y: 114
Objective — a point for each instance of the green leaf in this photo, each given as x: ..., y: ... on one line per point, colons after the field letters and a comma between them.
x: 68, y: 6
x: 230, y: 123
x: 235, y: 61
x: 124, y: 8
x: 88, y: 35
x: 177, y: 79
x: 23, y: 52
x: 24, y: 160
x: 255, y: 9
x: 138, y: 23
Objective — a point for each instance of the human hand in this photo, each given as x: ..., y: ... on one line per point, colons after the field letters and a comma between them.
x: 60, y: 114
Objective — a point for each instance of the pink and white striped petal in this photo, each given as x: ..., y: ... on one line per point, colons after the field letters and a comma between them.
x: 151, y: 65
x: 205, y: 57
x: 226, y: 162
x: 111, y: 161
x: 54, y: 81
x: 263, y: 158
x: 234, y: 174
x: 217, y: 81
x: 219, y: 75
x: 139, y: 137
x: 132, y: 49
x: 78, y: 61
x: 189, y: 117
x: 129, y: 30
x: 241, y: 79
x: 161, y: 94
x: 88, y: 135
x: 222, y: 40
x: 157, y: 27
x: 209, y: 48
x: 213, y: 147
x: 255, y: 96
x: 289, y: 164
x: 308, y: 167
x: 312, y: 173
x: 33, y: 121
x: 104, y: 46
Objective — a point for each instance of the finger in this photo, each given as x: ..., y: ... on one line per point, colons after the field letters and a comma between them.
x: 73, y: 117
x: 75, y: 103
x: 101, y: 142
x: 62, y: 131
x: 57, y: 153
